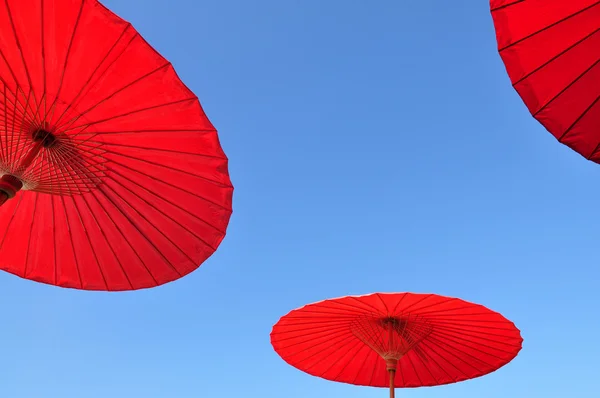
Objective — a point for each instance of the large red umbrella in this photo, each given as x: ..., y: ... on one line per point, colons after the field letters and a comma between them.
x: 113, y: 177
x: 396, y: 340
x: 551, y: 50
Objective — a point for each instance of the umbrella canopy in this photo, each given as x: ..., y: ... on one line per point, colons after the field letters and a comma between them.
x: 113, y: 177
x: 396, y: 340
x: 551, y: 50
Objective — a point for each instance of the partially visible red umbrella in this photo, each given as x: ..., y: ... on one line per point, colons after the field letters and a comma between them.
x: 551, y: 50
x: 113, y: 177
x: 396, y: 340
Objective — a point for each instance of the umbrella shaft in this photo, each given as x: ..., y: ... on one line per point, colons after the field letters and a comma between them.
x: 29, y: 158
x: 392, y: 388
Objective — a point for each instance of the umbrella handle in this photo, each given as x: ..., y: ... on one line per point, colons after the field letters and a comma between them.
x: 392, y: 388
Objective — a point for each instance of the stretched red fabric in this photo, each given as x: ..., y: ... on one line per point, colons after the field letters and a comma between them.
x: 426, y: 339
x: 113, y: 177
x: 551, y: 50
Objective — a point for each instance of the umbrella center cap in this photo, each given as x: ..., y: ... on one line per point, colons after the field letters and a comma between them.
x: 47, y: 138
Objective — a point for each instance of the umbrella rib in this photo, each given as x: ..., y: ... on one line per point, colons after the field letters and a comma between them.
x: 68, y: 125
x: 126, y: 132
x: 131, y: 221
x: 5, y: 147
x: 507, y: 5
x: 335, y: 342
x: 339, y: 359
x: 450, y: 324
x: 12, y: 217
x: 478, y: 335
x: 67, y: 56
x: 13, y: 102
x: 485, y: 330
x: 314, y: 321
x: 461, y: 341
x: 107, y: 240
x: 375, y: 310
x: 337, y: 315
x: 362, y: 365
x: 51, y: 157
x: 308, y: 333
x: 453, y: 338
x: 425, y: 365
x: 322, y: 339
x: 374, y: 369
x: 448, y: 311
x: 44, y: 72
x: 164, y: 213
x: 68, y: 220
x: 583, y: 114
x: 20, y: 136
x: 567, y: 87
x: 560, y: 54
x: 126, y: 240
x: 112, y: 118
x: 59, y: 161
x: 12, y: 73
x: 417, y: 311
x: 14, y: 30
x: 77, y: 98
x: 414, y: 368
x: 30, y: 238
x: 217, y: 183
x: 549, y: 26
x: 122, y: 212
x: 422, y: 298
x: 55, y: 263
x: 200, y: 155
x: 353, y: 309
x: 442, y: 343
x: 322, y: 357
x: 398, y: 303
x: 384, y: 304
x: 12, y: 136
x: 87, y: 236
x: 5, y: 136
x: 59, y: 158
x: 426, y: 344
x: 424, y: 358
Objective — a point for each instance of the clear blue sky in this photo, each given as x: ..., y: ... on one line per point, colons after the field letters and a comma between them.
x: 374, y: 146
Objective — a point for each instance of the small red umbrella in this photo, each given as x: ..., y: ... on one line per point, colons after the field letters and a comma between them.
x: 113, y: 177
x: 551, y: 50
x: 396, y: 340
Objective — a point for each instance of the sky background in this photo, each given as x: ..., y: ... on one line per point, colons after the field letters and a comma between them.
x: 375, y: 146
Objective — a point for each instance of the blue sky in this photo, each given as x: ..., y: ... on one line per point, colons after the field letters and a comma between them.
x: 374, y: 146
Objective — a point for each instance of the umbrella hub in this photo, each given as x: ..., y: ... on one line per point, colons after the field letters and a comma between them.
x: 392, y: 337
x: 46, y: 159
x: 45, y: 137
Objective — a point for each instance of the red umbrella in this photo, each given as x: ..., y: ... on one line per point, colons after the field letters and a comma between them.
x: 551, y: 51
x: 419, y: 339
x: 113, y: 177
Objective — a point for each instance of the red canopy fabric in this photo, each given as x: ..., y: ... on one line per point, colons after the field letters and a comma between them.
x: 425, y: 339
x: 113, y: 176
x: 551, y: 50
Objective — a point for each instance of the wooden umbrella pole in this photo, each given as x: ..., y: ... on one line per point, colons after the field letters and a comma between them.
x: 392, y: 388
